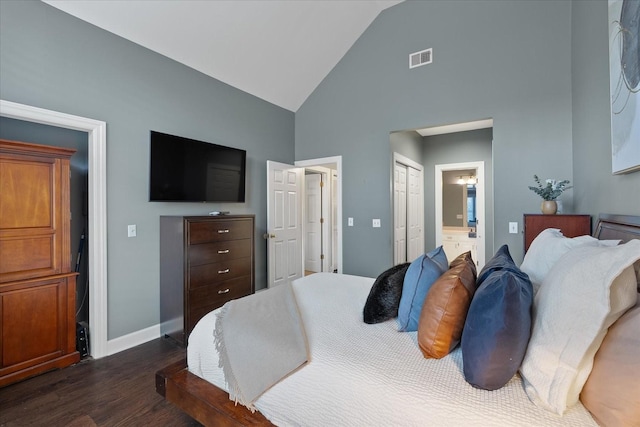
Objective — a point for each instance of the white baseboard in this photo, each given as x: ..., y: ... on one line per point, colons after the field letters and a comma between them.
x: 133, y: 339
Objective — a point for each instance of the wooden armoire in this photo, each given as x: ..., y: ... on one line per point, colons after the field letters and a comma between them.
x: 37, y: 284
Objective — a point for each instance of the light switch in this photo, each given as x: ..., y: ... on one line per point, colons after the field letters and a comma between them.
x: 376, y: 223
x: 350, y: 222
x: 131, y: 230
x: 513, y: 228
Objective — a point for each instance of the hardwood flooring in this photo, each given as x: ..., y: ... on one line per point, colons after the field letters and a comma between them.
x: 118, y: 390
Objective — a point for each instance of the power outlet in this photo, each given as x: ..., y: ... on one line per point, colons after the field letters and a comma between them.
x: 375, y: 223
x: 131, y: 230
x: 513, y: 228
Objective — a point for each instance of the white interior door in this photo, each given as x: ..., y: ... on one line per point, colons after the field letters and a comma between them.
x: 313, y: 223
x: 284, y: 223
x: 415, y: 213
x: 408, y: 209
x: 399, y: 213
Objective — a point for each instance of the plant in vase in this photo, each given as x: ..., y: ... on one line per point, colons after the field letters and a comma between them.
x: 549, y: 193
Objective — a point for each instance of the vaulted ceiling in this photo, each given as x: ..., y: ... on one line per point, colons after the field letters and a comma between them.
x: 277, y: 50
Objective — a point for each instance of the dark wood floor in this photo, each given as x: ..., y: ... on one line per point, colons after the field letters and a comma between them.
x: 118, y: 390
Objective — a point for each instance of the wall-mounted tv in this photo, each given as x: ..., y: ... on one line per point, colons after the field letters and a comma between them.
x: 187, y: 170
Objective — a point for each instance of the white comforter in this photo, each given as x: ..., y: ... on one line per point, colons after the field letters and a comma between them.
x: 366, y: 375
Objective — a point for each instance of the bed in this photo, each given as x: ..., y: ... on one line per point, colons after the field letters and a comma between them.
x: 362, y: 374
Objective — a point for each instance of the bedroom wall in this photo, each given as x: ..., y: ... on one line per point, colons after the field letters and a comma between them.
x: 597, y: 190
x: 487, y: 64
x: 52, y: 60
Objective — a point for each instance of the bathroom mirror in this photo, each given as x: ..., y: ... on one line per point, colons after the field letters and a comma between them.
x: 459, y: 198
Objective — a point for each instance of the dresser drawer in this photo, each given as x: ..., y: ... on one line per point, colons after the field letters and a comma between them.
x: 216, y: 231
x: 207, y: 253
x: 216, y: 294
x: 207, y: 274
x: 207, y: 299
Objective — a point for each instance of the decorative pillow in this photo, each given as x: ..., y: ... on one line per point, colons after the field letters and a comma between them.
x: 420, y: 275
x: 445, y: 308
x: 384, y: 297
x: 547, y: 248
x: 612, y: 392
x: 500, y: 261
x: 498, y: 325
x: 587, y: 290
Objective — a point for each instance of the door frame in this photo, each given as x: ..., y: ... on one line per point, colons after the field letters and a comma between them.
x: 336, y: 164
x: 478, y: 166
x: 97, y: 139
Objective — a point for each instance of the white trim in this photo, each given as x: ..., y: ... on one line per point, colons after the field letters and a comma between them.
x: 133, y: 339
x: 480, y: 204
x: 97, y: 242
x: 337, y: 160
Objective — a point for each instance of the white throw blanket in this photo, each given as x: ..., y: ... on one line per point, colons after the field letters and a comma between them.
x: 260, y: 339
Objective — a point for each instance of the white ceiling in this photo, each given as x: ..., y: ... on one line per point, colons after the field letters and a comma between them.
x: 277, y: 50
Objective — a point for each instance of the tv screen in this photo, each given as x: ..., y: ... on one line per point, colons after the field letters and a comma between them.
x: 186, y: 170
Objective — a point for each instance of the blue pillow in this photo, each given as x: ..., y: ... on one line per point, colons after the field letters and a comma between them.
x: 418, y: 279
x: 498, y: 325
x: 501, y: 260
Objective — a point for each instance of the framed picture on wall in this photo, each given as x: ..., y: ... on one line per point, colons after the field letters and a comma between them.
x: 624, y: 80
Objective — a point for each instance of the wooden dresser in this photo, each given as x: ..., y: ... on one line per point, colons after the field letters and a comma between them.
x: 205, y: 261
x: 37, y: 285
x: 570, y: 225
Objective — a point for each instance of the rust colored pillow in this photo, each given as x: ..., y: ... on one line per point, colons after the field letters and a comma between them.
x: 445, y: 308
x: 612, y: 391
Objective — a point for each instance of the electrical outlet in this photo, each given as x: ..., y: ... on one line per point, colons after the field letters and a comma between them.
x: 376, y: 223
x: 513, y: 228
x: 350, y: 222
x: 131, y: 230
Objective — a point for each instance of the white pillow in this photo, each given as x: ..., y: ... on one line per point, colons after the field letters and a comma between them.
x: 586, y: 291
x: 547, y: 248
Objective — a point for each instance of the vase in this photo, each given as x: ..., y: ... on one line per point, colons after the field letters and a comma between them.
x: 549, y: 207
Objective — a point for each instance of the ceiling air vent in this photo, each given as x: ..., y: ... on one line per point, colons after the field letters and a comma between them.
x: 423, y: 57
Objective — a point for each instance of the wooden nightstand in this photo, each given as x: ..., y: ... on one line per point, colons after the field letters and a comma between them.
x: 569, y: 225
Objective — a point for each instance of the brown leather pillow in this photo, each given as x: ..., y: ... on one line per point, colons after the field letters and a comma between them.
x: 612, y: 391
x: 445, y: 308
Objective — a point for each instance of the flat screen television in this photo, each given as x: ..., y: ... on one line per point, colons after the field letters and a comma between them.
x: 187, y: 170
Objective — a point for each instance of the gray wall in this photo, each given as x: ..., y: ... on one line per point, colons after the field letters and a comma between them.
x: 408, y: 144
x: 487, y: 64
x: 596, y: 190
x: 52, y: 60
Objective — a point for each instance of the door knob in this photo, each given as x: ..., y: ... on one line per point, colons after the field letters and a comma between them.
x: 268, y: 236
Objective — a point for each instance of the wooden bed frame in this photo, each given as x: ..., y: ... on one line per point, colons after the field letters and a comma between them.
x: 211, y: 405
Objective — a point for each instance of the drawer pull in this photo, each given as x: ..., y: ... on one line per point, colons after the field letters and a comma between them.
x: 225, y: 251
x: 226, y: 230
x: 226, y: 270
x: 223, y: 292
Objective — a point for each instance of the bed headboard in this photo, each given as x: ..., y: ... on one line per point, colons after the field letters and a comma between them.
x: 613, y: 227
x: 622, y: 227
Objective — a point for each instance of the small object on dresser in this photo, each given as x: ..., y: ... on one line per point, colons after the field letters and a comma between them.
x: 216, y: 213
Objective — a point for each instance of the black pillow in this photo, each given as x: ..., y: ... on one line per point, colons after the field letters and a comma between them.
x: 384, y: 297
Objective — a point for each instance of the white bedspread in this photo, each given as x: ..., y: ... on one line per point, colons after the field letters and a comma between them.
x: 364, y: 375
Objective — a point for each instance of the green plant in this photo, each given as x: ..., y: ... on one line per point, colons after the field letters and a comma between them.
x: 552, y: 188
